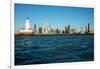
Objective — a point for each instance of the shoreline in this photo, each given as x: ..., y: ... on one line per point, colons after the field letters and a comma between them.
x: 50, y: 34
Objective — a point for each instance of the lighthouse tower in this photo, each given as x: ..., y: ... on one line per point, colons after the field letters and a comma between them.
x: 27, y: 23
x: 27, y: 29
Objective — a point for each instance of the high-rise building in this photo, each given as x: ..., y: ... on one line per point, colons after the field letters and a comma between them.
x: 77, y: 30
x: 68, y: 28
x: 57, y: 31
x: 40, y: 30
x: 88, y: 27
x: 45, y: 28
x: 83, y: 29
x: 63, y: 31
x: 35, y: 28
x: 52, y: 31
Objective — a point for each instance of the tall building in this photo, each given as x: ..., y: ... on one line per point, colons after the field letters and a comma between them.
x: 52, y: 31
x: 35, y: 28
x: 40, y: 30
x: 57, y: 31
x: 68, y: 28
x: 63, y: 31
x: 88, y: 27
x: 26, y: 29
x: 77, y: 30
x: 83, y: 29
x: 45, y: 28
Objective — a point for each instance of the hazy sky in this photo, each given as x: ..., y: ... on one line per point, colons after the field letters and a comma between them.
x: 55, y: 16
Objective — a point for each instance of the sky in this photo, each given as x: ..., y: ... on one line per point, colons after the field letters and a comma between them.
x: 54, y: 16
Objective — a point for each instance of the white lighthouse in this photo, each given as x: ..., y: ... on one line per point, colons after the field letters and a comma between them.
x: 27, y: 29
x: 27, y: 23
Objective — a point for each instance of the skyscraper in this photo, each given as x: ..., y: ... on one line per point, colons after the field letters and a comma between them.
x: 40, y: 30
x: 68, y: 28
x: 45, y: 28
x: 83, y: 29
x: 35, y: 28
x: 57, y: 31
x: 88, y: 27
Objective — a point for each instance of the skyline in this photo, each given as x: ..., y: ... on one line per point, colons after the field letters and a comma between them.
x: 45, y: 29
x: 55, y: 16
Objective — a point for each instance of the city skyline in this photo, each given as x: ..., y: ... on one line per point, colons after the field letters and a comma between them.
x: 54, y: 16
x: 46, y: 29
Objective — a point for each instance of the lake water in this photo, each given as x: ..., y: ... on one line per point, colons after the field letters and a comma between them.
x: 53, y: 49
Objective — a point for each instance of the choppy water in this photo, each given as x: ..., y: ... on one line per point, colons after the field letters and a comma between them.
x: 53, y: 49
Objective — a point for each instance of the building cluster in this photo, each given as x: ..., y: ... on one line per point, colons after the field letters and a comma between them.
x: 45, y: 29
